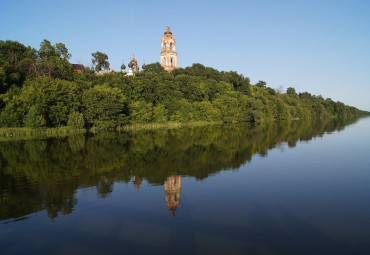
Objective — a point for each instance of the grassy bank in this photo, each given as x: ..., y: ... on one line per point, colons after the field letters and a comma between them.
x: 25, y: 132
x: 167, y: 125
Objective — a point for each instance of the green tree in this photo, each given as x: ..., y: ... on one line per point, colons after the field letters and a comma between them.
x: 76, y: 120
x: 282, y: 110
x: 100, y: 61
x: 291, y: 91
x: 160, y: 113
x: 103, y: 107
x: 12, y: 70
x: 141, y: 112
x: 182, y: 111
x: 46, y: 50
x: 13, y: 113
x: 204, y: 111
x: 34, y: 118
x: 155, y: 68
x: 52, y: 98
x: 53, y: 60
x: 62, y: 51
x: 261, y: 84
x: 228, y: 106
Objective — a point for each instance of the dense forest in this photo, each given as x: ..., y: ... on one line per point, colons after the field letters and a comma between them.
x: 39, y: 88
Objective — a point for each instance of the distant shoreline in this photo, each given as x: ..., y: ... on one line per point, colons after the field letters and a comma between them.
x: 14, y: 133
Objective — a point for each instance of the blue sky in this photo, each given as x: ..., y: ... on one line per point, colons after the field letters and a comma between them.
x: 319, y: 46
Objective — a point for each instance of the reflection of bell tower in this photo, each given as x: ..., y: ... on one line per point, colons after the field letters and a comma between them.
x: 137, y: 181
x: 172, y: 187
x: 168, y: 52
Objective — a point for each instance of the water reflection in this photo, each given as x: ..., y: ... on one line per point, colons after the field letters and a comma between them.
x: 137, y: 181
x: 45, y: 174
x: 172, y: 187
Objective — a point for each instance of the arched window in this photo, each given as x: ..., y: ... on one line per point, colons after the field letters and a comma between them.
x: 171, y: 61
x: 171, y: 46
x: 164, y: 61
x: 165, y: 46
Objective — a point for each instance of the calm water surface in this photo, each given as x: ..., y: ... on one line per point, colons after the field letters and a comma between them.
x: 276, y: 188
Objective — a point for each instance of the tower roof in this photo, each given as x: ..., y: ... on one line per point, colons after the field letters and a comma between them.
x: 168, y: 32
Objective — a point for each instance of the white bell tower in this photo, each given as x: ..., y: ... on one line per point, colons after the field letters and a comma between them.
x: 168, y: 53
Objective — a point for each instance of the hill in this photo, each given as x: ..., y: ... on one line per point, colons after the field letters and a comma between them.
x: 40, y: 89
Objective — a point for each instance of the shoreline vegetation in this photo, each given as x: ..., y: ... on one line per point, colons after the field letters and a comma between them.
x: 167, y: 125
x: 24, y: 133
x: 42, y: 95
x: 13, y: 133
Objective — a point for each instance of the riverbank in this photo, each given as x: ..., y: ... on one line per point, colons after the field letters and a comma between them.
x: 166, y: 125
x: 13, y: 133
x: 38, y: 132
x: 25, y: 132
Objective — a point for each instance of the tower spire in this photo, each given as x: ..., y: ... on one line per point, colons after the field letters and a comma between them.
x: 168, y: 51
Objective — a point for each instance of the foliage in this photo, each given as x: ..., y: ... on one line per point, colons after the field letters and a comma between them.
x: 100, y: 61
x: 291, y: 91
x: 76, y: 120
x: 39, y: 88
x: 18, y: 62
x: 155, y: 68
x: 54, y: 99
x: 12, y: 56
x: 103, y: 107
x: 34, y: 118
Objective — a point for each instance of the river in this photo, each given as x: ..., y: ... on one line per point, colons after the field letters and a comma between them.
x: 299, y: 187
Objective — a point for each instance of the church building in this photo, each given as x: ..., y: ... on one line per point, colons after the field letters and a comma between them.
x: 168, y: 53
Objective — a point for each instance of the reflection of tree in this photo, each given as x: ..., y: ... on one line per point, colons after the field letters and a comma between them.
x: 45, y: 173
x: 104, y: 187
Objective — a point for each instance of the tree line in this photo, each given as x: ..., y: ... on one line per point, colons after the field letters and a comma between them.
x: 38, y: 88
